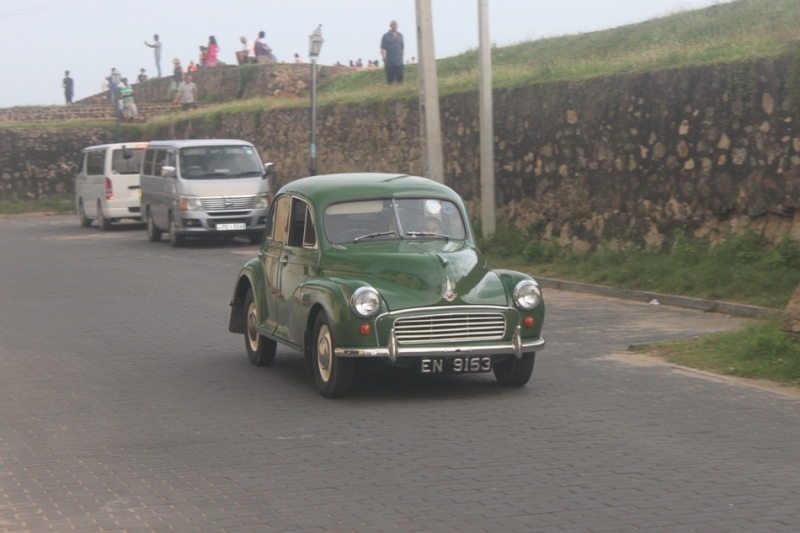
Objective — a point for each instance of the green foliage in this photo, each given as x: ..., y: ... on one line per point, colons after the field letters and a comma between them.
x: 247, y: 73
x: 214, y: 121
x: 42, y: 205
x: 743, y: 268
x: 761, y: 350
x: 255, y: 120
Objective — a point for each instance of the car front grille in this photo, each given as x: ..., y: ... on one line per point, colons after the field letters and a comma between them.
x: 227, y: 203
x: 450, y: 328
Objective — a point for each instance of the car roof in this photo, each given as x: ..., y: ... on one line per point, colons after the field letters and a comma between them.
x: 327, y: 189
x: 197, y: 142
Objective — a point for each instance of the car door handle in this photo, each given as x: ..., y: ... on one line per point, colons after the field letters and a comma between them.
x: 285, y: 259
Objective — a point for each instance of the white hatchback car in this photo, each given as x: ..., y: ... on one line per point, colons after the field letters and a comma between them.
x: 107, y: 183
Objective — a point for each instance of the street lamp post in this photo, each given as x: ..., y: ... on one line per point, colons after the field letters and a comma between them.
x: 115, y: 78
x: 314, y: 46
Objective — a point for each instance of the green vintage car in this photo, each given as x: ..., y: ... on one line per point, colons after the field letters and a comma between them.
x: 383, y: 266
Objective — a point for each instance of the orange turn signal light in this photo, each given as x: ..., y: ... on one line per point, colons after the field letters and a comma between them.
x: 528, y: 321
x: 365, y: 329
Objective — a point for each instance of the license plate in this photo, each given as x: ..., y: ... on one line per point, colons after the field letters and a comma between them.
x: 455, y: 365
x: 223, y: 227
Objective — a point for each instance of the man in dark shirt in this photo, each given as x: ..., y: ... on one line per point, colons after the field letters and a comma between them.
x: 69, y: 88
x: 392, y: 50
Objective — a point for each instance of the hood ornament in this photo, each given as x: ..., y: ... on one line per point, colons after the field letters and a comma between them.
x: 448, y: 294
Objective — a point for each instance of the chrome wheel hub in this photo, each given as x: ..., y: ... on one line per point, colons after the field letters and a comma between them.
x: 324, y: 353
x: 252, y: 331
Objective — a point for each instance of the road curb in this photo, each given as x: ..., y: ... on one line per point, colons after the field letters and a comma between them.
x: 708, y: 306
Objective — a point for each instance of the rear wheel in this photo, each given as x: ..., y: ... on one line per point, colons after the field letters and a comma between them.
x: 175, y: 238
x: 153, y: 233
x: 260, y: 350
x: 103, y: 222
x: 85, y: 222
x: 333, y: 375
x: 514, y: 372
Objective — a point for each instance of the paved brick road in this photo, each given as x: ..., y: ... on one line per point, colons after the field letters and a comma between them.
x: 126, y: 406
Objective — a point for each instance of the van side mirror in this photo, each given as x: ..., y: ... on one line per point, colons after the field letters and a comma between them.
x: 268, y: 169
x: 167, y: 171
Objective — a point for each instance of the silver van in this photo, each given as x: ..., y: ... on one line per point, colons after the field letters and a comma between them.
x: 107, y: 183
x: 204, y: 188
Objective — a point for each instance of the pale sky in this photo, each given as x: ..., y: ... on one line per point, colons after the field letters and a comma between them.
x: 43, y: 38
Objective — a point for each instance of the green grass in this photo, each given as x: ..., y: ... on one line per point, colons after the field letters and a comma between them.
x: 17, y: 207
x: 730, y: 32
x: 759, y: 351
x: 742, y: 269
x: 73, y: 124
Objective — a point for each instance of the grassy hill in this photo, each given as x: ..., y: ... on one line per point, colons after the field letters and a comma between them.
x: 727, y: 32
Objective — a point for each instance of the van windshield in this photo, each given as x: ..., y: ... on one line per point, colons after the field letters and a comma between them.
x: 131, y: 165
x: 219, y: 162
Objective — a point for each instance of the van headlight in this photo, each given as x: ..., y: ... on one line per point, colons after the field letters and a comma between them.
x: 191, y: 203
x: 527, y: 295
x: 262, y: 200
x: 365, y: 302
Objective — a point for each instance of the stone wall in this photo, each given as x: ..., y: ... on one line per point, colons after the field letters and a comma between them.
x: 40, y: 163
x: 228, y: 82
x: 706, y: 150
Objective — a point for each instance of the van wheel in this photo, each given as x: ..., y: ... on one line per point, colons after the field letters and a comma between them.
x: 153, y: 233
x: 175, y: 239
x: 102, y: 221
x: 260, y: 350
x: 333, y: 374
x: 85, y: 222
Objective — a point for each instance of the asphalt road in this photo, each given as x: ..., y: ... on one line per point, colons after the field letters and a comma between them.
x: 125, y: 405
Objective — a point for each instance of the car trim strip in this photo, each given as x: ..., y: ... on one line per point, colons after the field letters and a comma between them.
x: 447, y: 351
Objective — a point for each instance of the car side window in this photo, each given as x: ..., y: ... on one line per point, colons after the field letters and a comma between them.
x: 147, y: 166
x: 95, y: 163
x: 281, y: 218
x: 158, y: 162
x: 310, y: 236
x: 82, y: 163
x: 297, y: 228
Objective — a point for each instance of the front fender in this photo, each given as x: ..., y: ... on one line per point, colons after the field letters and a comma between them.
x: 510, y: 278
x: 251, y: 276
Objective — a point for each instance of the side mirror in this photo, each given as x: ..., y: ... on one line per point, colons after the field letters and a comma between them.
x: 167, y: 171
x: 268, y: 169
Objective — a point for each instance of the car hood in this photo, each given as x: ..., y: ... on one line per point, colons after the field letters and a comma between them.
x: 419, y: 273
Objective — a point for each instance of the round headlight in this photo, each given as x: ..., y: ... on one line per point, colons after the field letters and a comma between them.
x: 527, y: 295
x: 365, y: 302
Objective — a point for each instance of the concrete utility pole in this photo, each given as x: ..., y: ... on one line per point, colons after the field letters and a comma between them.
x: 488, y: 216
x: 430, y: 120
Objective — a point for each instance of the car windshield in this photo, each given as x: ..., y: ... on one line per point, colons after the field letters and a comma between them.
x: 217, y: 162
x: 382, y: 219
x: 131, y: 165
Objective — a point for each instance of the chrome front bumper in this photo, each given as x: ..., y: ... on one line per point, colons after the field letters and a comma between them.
x: 394, y: 350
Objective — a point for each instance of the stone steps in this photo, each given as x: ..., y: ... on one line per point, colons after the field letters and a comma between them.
x: 92, y: 112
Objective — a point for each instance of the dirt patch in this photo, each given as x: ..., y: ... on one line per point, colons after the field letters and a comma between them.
x: 645, y: 360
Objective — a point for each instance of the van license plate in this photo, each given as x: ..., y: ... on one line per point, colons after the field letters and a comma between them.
x: 223, y: 227
x: 455, y: 365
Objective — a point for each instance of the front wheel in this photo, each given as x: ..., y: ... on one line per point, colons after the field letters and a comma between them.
x: 260, y: 350
x: 153, y: 233
x: 85, y: 222
x: 102, y: 221
x: 333, y: 375
x: 514, y: 372
x: 175, y: 238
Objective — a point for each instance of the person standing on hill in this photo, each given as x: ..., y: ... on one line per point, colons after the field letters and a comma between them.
x: 187, y: 93
x: 156, y: 46
x: 392, y: 50
x: 142, y: 76
x: 213, y: 51
x: 69, y: 88
x: 177, y: 76
x: 129, y: 110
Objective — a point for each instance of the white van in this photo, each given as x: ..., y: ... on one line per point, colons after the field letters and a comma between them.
x: 203, y: 188
x: 107, y: 183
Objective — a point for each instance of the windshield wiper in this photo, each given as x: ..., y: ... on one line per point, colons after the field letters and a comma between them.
x: 371, y: 235
x: 427, y: 234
